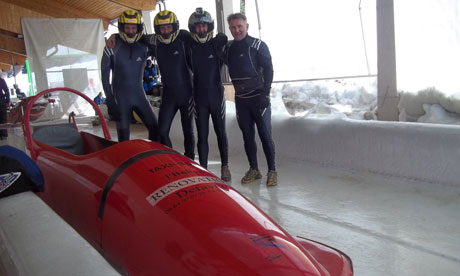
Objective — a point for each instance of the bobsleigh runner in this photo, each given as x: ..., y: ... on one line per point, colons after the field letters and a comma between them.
x: 152, y: 211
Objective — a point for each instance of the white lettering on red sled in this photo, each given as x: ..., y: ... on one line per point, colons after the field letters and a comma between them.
x: 177, y: 185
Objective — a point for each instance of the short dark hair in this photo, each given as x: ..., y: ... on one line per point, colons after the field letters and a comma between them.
x: 237, y: 15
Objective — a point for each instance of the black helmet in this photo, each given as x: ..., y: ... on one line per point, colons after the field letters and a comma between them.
x: 201, y: 17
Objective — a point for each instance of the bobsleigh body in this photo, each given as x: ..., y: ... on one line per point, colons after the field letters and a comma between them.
x: 152, y: 211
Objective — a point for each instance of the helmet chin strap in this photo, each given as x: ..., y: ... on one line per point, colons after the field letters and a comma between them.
x: 166, y: 40
x: 130, y: 39
x: 203, y: 39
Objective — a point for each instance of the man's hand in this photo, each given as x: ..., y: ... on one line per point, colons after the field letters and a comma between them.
x: 112, y: 108
x: 264, y: 101
x: 265, y: 98
x: 110, y: 43
x: 185, y: 36
x: 221, y: 40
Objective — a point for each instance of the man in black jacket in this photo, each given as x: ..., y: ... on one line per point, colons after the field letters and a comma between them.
x: 205, y: 52
x: 251, y: 70
x: 4, y: 103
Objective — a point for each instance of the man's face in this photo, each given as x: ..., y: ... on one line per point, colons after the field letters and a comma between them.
x: 201, y: 29
x: 238, y: 28
x: 130, y: 30
x: 166, y: 30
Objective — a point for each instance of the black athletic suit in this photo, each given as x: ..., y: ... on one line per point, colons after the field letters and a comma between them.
x: 247, y: 59
x: 4, y: 100
x: 177, y: 89
x: 127, y: 63
x: 206, y: 62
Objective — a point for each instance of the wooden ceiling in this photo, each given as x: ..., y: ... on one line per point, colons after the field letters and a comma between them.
x: 12, y: 49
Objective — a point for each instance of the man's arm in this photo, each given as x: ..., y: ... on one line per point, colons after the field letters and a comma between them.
x: 145, y: 39
x: 110, y: 43
x: 185, y: 36
x: 106, y: 67
x: 225, y: 51
x: 265, y: 61
x: 220, y: 41
x: 4, y: 87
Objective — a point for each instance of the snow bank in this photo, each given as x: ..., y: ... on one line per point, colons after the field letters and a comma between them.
x: 357, y: 99
x: 352, y: 97
x: 417, y: 151
x: 412, y: 106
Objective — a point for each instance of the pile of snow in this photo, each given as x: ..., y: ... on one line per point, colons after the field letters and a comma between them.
x: 357, y: 99
x: 429, y: 106
x: 342, y: 98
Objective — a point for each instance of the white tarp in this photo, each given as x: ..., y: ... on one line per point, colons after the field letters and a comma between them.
x: 64, y: 52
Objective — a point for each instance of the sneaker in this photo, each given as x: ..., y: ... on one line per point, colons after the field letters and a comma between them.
x: 225, y: 174
x: 272, y: 178
x: 250, y: 176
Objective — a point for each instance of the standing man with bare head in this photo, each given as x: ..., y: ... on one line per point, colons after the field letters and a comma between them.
x: 251, y: 70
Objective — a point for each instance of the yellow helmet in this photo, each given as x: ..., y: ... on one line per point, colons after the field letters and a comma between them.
x: 166, y: 18
x: 130, y: 17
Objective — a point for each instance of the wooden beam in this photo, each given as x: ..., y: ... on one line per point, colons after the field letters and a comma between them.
x: 13, y: 10
x: 53, y: 8
x: 11, y: 16
x: 12, y: 58
x: 11, y: 44
x: 136, y: 4
x: 5, y: 67
x: 47, y: 8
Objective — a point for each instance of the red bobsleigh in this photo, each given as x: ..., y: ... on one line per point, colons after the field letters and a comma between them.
x: 16, y: 113
x: 152, y: 211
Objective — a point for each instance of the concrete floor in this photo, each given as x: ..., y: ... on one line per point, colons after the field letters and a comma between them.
x: 387, y: 225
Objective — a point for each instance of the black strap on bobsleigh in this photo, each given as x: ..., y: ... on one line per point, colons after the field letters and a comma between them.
x: 118, y: 171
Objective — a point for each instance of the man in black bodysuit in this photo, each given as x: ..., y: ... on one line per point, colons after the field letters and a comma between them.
x: 4, y: 103
x: 206, y: 63
x: 125, y: 92
x: 168, y: 47
x: 251, y: 70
